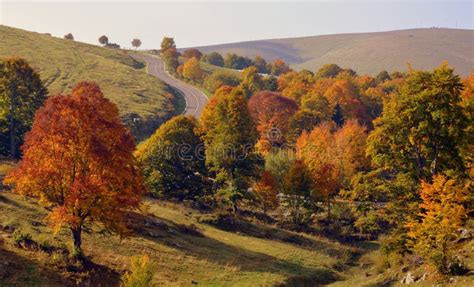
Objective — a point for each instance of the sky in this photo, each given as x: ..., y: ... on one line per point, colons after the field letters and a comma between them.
x: 198, y: 23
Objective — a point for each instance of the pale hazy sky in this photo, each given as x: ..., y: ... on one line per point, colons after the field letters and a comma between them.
x: 194, y: 23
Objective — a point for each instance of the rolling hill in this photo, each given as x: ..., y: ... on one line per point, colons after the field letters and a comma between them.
x: 62, y: 63
x: 366, y: 53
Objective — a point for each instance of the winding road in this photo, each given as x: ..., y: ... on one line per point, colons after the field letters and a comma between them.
x: 195, y: 99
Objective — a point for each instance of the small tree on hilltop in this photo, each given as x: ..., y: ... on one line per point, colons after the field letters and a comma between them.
x: 136, y: 43
x: 69, y: 36
x: 104, y: 40
x: 78, y: 161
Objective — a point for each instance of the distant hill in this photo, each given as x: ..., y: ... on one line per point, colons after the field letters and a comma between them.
x: 367, y: 53
x: 62, y: 63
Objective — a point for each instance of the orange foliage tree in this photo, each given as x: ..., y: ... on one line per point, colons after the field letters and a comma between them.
x: 78, y: 161
x: 271, y: 113
x: 442, y: 215
x: 192, y: 70
x: 332, y: 156
x: 266, y: 191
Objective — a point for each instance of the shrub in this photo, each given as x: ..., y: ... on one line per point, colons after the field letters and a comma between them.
x: 19, y: 236
x: 141, y: 272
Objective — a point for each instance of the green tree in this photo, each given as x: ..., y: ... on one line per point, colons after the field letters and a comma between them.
x: 214, y: 58
x: 171, y: 59
x: 233, y: 61
x: 260, y: 64
x: 21, y: 94
x: 328, y: 71
x: 422, y: 128
x: 219, y: 78
x: 229, y: 137
x: 172, y: 164
x: 251, y: 83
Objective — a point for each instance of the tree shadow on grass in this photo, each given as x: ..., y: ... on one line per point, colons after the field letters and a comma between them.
x: 241, y: 226
x: 16, y: 270
x: 171, y: 234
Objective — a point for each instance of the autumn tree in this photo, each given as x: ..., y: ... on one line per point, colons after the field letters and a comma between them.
x: 192, y: 53
x: 297, y: 187
x: 314, y: 110
x: 167, y: 43
x: 229, y: 137
x: 295, y: 85
x: 251, y: 82
x: 192, y: 70
x: 78, y: 161
x: 171, y: 59
x: 213, y: 58
x: 136, y: 43
x: 21, y: 94
x: 69, y: 36
x: 333, y: 156
x: 266, y: 191
x: 442, y: 214
x: 173, y: 160
x: 278, y: 67
x: 271, y: 113
x: 104, y: 40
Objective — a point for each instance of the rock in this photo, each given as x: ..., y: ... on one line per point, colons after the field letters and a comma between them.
x: 423, y: 277
x: 408, y: 279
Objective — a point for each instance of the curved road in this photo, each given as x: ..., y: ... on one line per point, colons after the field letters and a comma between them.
x: 195, y: 99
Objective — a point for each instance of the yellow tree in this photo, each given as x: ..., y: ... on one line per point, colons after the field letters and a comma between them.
x: 192, y: 70
x: 442, y: 214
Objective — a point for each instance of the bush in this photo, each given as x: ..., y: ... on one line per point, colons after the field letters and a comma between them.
x: 141, y: 272
x: 220, y: 78
x: 19, y: 236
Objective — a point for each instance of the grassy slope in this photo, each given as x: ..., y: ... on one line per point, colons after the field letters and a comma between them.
x: 62, y: 63
x: 219, y: 258
x: 366, y: 52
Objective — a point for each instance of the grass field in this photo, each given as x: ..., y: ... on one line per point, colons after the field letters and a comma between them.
x: 62, y: 63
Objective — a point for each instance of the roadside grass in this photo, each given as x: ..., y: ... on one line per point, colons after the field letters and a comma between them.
x: 206, y: 256
x: 62, y: 63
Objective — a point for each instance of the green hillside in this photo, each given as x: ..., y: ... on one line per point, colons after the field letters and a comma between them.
x: 62, y: 63
x: 366, y: 53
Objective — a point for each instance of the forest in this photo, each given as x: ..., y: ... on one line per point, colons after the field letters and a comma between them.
x: 349, y: 157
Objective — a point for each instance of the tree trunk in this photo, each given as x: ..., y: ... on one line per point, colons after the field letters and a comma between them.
x: 12, y: 125
x: 77, y: 240
x: 329, y: 209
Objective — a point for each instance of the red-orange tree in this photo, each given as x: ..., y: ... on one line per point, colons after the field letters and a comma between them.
x: 271, y: 113
x: 77, y: 160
